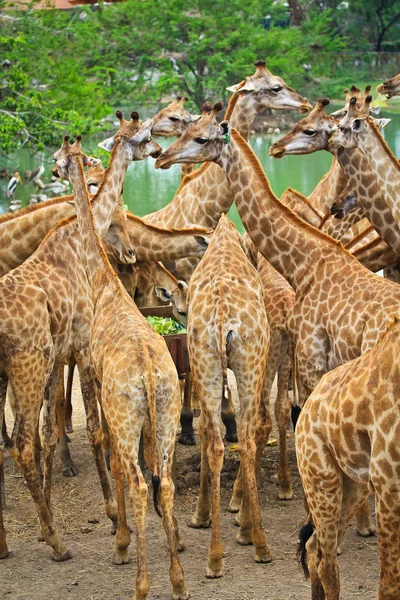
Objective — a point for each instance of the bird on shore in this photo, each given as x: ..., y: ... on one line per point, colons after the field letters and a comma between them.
x: 12, y: 184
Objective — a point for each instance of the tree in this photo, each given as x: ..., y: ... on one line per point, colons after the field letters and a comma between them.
x: 378, y: 18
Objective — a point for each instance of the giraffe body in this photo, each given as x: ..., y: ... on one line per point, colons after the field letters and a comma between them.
x: 347, y: 441
x: 227, y: 327
x: 138, y: 385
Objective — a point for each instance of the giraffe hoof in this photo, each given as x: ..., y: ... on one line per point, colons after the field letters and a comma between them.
x: 196, y: 523
x: 211, y: 574
x: 180, y: 546
x: 62, y: 556
x: 234, y: 506
x: 70, y: 471
x: 339, y: 551
x: 286, y: 494
x: 366, y: 531
x: 187, y: 439
x: 263, y: 556
x: 4, y: 551
x: 243, y: 540
x: 69, y: 428
x: 180, y: 593
x: 121, y: 558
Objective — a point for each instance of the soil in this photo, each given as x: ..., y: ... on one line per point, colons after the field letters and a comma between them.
x: 30, y: 574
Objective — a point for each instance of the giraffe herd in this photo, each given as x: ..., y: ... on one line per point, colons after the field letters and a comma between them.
x: 298, y: 292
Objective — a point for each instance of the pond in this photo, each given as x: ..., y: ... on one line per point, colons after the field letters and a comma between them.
x: 147, y: 189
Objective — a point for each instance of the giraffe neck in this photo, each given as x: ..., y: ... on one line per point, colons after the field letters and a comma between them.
x: 365, y: 186
x: 243, y: 114
x: 328, y: 189
x: 203, y: 198
x: 109, y: 194
x: 97, y: 265
x: 383, y: 164
x: 286, y: 241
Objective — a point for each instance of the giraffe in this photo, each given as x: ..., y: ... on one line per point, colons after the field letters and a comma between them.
x: 172, y: 121
x: 138, y: 385
x: 227, y: 327
x: 315, y: 132
x: 279, y: 299
x: 46, y: 313
x: 358, y: 130
x: 347, y: 440
x: 391, y: 87
x: 204, y: 195
x: 340, y: 306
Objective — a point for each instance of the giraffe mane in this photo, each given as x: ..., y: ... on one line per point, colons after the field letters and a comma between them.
x: 170, y: 230
x: 233, y: 101
x: 11, y: 216
x: 107, y: 170
x: 108, y: 272
x: 384, y: 143
x: 170, y: 275
x: 289, y: 214
x: 304, y: 199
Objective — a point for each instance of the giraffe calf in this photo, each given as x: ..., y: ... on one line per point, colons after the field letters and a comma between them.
x: 347, y: 442
x: 227, y: 327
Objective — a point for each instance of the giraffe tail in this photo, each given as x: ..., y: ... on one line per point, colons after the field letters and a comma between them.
x: 305, y: 533
x: 149, y: 384
x: 296, y: 408
x: 224, y: 336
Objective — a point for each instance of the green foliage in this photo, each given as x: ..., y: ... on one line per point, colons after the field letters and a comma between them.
x: 69, y: 68
x: 166, y: 325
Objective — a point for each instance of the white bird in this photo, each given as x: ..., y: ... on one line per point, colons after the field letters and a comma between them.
x: 12, y: 184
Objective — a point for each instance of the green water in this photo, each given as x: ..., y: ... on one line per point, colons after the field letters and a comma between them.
x: 147, y: 189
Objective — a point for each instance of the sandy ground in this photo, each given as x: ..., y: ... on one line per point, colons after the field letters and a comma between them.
x: 30, y: 574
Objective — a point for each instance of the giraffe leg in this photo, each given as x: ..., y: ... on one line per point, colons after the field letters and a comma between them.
x: 187, y: 434
x: 251, y: 530
x: 387, y: 498
x: 123, y: 534
x: 282, y: 412
x: 3, y: 394
x: 138, y: 496
x: 179, y: 591
x: 68, y: 397
x: 96, y: 437
x: 228, y: 417
x: 68, y: 467
x: 215, y: 455
x: 201, y: 517
x: 3, y: 541
x: 31, y: 392
x: 263, y: 429
x: 49, y: 432
x: 363, y: 521
x: 106, y: 439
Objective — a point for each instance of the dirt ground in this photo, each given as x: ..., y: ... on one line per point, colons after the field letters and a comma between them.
x: 30, y: 574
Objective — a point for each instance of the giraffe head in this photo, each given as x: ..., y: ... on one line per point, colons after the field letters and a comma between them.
x: 346, y: 202
x: 202, y: 142
x: 390, y: 88
x: 117, y: 241
x: 134, y: 137
x: 354, y: 92
x: 352, y: 124
x: 64, y: 156
x: 173, y: 120
x: 269, y: 91
x: 94, y: 176
x: 308, y: 135
x: 176, y: 294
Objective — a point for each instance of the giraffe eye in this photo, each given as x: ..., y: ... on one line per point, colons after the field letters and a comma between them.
x: 276, y: 88
x: 310, y: 132
x: 201, y: 140
x: 174, y: 119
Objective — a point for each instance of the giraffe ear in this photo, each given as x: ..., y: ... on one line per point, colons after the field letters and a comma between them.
x: 225, y: 130
x: 162, y: 293
x: 202, y: 241
x: 107, y: 144
x: 194, y: 118
x: 382, y: 123
x: 144, y: 133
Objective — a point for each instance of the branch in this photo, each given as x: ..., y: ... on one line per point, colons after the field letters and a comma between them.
x: 30, y: 112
